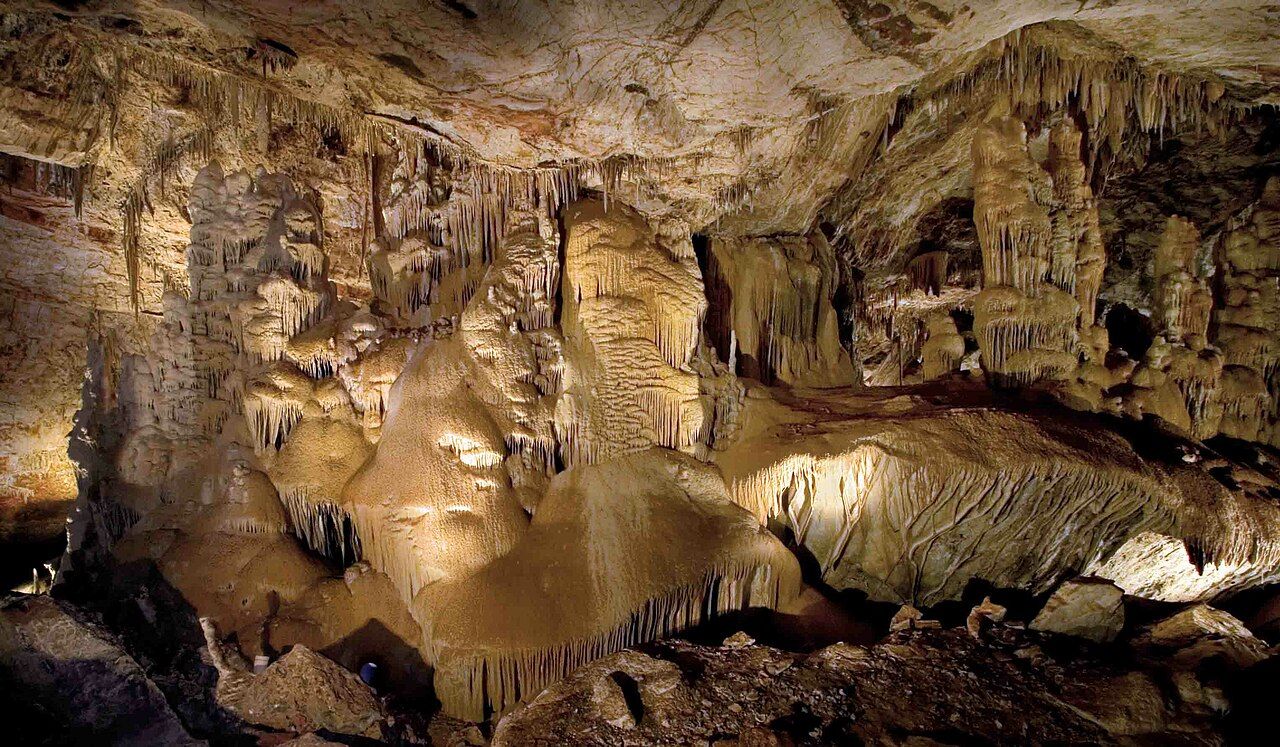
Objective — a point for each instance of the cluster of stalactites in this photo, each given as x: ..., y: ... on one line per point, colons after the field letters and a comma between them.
x: 270, y: 420
x: 1183, y: 299
x: 325, y: 527
x: 1027, y: 318
x: 1037, y: 72
x: 433, y: 166
x: 1042, y: 69
x: 258, y: 271
x: 771, y: 311
x: 255, y: 330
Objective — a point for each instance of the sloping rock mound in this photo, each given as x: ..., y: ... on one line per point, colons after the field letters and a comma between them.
x: 73, y: 684
x: 304, y: 692
x: 618, y: 553
x: 1202, y: 632
x: 919, y: 687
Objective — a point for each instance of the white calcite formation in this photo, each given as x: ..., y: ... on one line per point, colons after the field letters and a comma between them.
x: 619, y: 552
x: 944, y: 348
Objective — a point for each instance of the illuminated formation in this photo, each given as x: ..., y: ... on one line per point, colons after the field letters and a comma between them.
x: 621, y: 373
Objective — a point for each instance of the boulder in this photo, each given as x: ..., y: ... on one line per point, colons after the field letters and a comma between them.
x: 1084, y: 608
x: 910, y: 618
x: 1200, y: 633
x: 636, y: 685
x: 983, y: 615
x: 74, y: 683
x: 305, y: 692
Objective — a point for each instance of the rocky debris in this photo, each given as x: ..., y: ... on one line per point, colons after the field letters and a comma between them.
x: 916, y: 687
x: 1200, y: 633
x: 1085, y: 608
x: 910, y: 618
x: 303, y: 692
x: 444, y: 731
x: 74, y: 683
x: 309, y: 740
x: 983, y: 615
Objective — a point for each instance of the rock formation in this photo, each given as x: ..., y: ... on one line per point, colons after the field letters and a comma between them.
x: 380, y: 374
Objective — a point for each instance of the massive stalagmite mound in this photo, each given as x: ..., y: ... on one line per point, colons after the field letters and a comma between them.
x: 464, y: 345
x: 620, y: 552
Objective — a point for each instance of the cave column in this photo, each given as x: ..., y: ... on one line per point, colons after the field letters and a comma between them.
x: 1027, y: 328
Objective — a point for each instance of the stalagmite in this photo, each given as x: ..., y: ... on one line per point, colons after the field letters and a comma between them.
x: 631, y: 318
x: 1247, y: 322
x: 1078, y: 257
x: 1025, y: 338
x: 423, y: 513
x: 1182, y: 294
x: 664, y: 550
x: 943, y: 349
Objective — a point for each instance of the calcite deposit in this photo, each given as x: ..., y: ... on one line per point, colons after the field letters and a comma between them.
x: 438, y: 372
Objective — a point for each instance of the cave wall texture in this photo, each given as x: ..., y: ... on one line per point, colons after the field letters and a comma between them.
x: 525, y: 332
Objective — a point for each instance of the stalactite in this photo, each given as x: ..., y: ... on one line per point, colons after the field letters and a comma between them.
x: 270, y: 420
x: 325, y: 527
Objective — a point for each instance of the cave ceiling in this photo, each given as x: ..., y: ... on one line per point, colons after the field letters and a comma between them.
x: 733, y: 116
